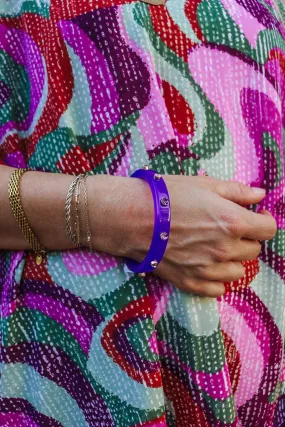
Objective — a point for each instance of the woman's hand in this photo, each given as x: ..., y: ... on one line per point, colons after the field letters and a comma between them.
x: 211, y: 233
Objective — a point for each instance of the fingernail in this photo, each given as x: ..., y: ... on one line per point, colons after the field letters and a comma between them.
x: 258, y: 190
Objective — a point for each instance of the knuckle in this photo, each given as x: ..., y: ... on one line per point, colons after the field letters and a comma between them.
x: 234, y: 224
x: 201, y: 272
x: 241, y: 189
x: 221, y: 254
x: 223, y: 189
x: 235, y: 189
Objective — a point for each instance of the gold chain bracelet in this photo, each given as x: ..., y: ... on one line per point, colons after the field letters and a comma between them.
x: 77, y: 210
x: 18, y: 211
x: 88, y: 232
x: 68, y: 202
x: 74, y: 191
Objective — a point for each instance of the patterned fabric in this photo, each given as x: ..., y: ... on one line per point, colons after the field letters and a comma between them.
x: 106, y: 86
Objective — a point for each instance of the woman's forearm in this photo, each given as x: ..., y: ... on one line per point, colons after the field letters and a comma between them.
x: 120, y: 210
x: 211, y: 232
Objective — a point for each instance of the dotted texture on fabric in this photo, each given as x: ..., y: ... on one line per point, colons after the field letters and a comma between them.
x: 107, y: 86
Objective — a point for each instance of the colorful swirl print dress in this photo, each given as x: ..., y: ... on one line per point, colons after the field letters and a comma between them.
x: 107, y: 86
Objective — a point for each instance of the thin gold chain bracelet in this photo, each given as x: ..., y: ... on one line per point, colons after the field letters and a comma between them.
x: 88, y: 232
x: 68, y: 203
x: 74, y: 192
x: 77, y: 210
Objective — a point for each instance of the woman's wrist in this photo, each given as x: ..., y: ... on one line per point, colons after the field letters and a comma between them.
x: 121, y: 215
x: 120, y: 209
x: 43, y: 198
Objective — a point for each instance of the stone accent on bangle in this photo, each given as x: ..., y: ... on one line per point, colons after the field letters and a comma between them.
x: 141, y: 274
x: 164, y: 236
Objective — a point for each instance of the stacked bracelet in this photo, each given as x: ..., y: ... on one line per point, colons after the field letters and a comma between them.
x: 162, y: 218
x: 74, y: 192
x: 18, y: 211
x: 88, y: 232
x: 71, y: 191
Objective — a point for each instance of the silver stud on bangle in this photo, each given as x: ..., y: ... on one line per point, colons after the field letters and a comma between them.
x: 141, y: 274
x: 145, y: 167
x: 164, y: 236
x: 164, y: 201
x: 157, y: 176
x: 154, y: 263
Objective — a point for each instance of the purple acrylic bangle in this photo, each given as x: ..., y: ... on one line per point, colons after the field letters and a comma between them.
x: 162, y: 217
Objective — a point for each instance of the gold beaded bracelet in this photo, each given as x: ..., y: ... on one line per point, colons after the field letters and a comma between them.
x: 18, y: 211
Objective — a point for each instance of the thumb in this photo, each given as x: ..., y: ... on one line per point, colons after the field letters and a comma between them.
x: 239, y: 193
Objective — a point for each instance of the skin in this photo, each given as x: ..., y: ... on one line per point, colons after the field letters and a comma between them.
x: 211, y: 231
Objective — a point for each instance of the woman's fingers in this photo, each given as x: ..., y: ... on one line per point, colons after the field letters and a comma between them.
x: 204, y: 288
x: 258, y: 226
x: 237, y: 192
x: 223, y: 272
x: 245, y: 250
x: 265, y: 212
